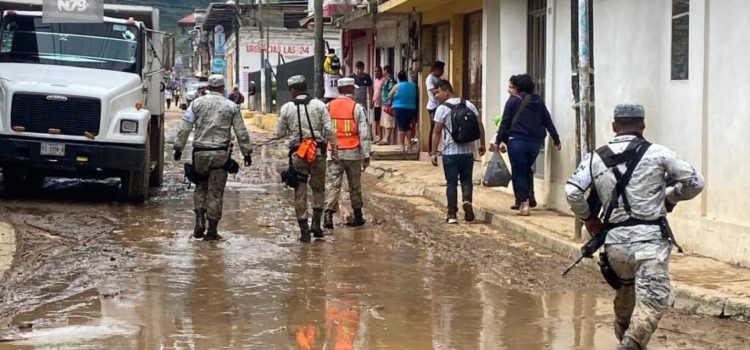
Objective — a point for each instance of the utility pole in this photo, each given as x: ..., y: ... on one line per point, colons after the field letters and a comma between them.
x: 263, y: 45
x: 318, y: 8
x: 584, y: 86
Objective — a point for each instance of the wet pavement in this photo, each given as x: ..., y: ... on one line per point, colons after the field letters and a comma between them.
x: 94, y: 274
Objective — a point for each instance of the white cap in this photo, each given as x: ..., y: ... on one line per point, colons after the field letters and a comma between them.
x: 347, y: 82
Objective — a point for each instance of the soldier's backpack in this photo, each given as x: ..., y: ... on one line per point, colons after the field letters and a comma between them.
x: 464, y: 123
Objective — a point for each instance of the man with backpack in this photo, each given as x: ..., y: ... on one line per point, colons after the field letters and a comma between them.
x: 629, y: 177
x: 458, y: 125
x: 331, y: 75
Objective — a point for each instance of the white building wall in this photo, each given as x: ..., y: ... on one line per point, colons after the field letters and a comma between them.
x: 704, y: 118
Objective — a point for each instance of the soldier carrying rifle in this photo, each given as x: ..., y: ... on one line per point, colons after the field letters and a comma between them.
x: 629, y: 176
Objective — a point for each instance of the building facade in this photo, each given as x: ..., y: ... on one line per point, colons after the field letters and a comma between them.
x: 682, y: 59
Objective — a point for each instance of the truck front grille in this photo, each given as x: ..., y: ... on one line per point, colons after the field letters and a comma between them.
x: 71, y: 115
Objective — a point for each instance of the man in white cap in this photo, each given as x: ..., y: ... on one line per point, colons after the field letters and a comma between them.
x: 306, y: 121
x: 629, y: 176
x: 213, y: 117
x: 352, y: 137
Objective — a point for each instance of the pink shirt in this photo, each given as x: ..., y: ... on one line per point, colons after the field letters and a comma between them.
x: 377, y: 85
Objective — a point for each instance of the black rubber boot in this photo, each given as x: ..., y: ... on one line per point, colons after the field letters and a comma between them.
x: 213, y: 231
x: 200, y: 223
x: 316, y: 230
x: 358, y: 220
x: 304, y: 231
x: 328, y: 220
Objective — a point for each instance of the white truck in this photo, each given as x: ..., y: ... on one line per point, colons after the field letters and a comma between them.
x: 83, y: 100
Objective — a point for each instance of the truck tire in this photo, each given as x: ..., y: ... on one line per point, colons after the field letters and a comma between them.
x: 16, y: 181
x: 134, y: 185
x: 157, y: 175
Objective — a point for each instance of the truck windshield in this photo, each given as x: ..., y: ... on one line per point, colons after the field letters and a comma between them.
x: 110, y: 46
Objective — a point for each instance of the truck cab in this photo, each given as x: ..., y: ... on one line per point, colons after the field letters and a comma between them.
x: 83, y: 100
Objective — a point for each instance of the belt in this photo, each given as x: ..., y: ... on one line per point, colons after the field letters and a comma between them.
x: 634, y: 222
x: 209, y: 149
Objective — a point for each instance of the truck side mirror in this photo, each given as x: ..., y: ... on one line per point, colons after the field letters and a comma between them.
x: 168, y: 52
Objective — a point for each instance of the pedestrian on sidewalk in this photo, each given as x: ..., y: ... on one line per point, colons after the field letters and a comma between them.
x: 236, y: 97
x: 387, y: 121
x: 364, y: 84
x: 458, y: 157
x: 403, y: 99
x: 306, y: 120
x: 525, y: 124
x: 433, y: 80
x: 176, y: 97
x: 377, y: 103
x: 213, y: 118
x: 349, y: 120
x: 168, y: 97
x: 251, y: 96
x: 629, y: 176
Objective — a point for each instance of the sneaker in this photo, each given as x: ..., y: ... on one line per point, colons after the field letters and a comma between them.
x: 414, y: 141
x: 451, y: 219
x: 468, y: 212
x: 523, y: 210
x: 516, y: 205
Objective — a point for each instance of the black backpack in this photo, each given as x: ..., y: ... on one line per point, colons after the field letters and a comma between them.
x: 464, y: 123
x: 335, y: 63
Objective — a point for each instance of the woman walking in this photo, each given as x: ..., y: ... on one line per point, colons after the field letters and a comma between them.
x: 526, y: 122
x: 404, y: 102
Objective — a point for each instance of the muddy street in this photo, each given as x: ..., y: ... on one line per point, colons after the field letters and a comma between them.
x: 90, y: 273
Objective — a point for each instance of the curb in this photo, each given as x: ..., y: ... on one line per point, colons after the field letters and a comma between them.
x: 7, y: 246
x: 684, y: 297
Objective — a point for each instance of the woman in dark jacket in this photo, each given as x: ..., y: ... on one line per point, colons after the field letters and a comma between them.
x: 524, y: 137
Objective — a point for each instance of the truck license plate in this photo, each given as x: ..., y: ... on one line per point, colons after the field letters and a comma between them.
x: 53, y: 149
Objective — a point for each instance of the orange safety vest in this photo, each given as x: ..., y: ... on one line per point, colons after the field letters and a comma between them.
x: 342, y: 114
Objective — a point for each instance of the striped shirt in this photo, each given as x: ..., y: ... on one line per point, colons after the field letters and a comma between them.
x: 442, y: 115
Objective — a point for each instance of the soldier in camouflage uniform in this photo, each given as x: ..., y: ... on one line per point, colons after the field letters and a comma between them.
x: 300, y: 119
x: 213, y: 117
x: 352, y: 137
x: 636, y: 246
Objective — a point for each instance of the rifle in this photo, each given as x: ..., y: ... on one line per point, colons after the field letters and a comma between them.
x: 597, y: 241
x: 588, y: 249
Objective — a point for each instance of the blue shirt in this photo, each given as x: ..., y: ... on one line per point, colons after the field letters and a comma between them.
x: 406, y: 96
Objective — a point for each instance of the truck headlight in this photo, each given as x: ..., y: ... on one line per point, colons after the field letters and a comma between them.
x: 128, y: 127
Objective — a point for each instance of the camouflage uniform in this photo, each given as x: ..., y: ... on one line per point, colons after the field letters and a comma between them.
x: 639, y: 254
x: 289, y: 124
x: 350, y: 162
x: 213, y: 117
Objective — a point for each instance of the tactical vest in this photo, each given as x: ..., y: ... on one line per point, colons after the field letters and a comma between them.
x: 344, y: 124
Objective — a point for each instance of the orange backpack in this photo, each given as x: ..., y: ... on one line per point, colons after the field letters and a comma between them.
x: 308, y: 147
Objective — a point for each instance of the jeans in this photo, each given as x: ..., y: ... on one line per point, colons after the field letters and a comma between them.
x: 431, y: 112
x: 458, y: 167
x: 522, y: 154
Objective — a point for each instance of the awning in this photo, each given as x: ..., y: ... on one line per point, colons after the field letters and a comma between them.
x: 187, y: 21
x: 411, y: 5
x: 224, y: 14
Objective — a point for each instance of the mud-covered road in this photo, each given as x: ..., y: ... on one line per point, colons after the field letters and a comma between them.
x: 90, y: 273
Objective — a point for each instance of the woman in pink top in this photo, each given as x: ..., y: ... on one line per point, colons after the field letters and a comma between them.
x: 376, y: 102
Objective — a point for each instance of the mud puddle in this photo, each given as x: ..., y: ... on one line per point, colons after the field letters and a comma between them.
x: 93, y: 275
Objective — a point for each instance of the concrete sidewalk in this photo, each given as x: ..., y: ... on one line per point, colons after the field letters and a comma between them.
x: 700, y: 285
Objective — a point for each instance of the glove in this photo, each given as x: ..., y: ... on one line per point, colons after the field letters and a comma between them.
x: 248, y: 160
x: 177, y: 154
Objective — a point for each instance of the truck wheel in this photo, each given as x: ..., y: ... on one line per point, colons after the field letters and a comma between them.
x: 134, y: 185
x: 16, y: 181
x: 157, y: 175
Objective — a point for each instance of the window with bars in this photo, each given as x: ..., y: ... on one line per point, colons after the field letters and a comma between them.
x: 680, y: 39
